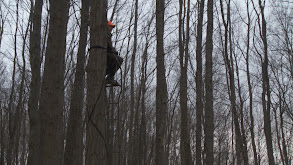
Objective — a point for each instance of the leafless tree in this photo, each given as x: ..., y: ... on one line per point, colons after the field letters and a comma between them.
x: 96, y: 99
x: 249, y: 85
x: 241, y: 151
x: 52, y: 91
x: 74, y: 141
x: 161, y: 90
x: 214, y: 113
x: 35, y: 62
x: 185, y: 153
x: 199, y: 84
x: 266, y: 93
x: 11, y: 108
x: 209, y: 111
x: 132, y: 99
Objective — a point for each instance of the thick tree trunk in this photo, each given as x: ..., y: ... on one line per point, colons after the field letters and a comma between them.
x: 52, y: 92
x: 96, y: 151
x: 199, y: 85
x: 161, y: 90
x: 185, y: 153
x: 209, y: 113
x: 74, y: 141
x: 35, y: 62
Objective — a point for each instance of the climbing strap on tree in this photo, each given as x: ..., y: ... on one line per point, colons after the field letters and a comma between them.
x: 97, y: 47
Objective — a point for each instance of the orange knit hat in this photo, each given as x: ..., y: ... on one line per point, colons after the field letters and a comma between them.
x: 110, y: 24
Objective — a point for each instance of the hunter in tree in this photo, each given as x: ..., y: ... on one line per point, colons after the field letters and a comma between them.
x: 114, y: 61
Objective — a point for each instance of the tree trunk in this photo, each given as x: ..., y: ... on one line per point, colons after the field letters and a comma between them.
x: 143, y: 133
x: 278, y: 135
x: 18, y: 119
x: 143, y: 148
x: 199, y: 84
x: 241, y: 107
x: 2, y: 144
x: 250, y: 87
x: 110, y: 125
x: 185, y: 153
x: 266, y: 96
x: 161, y: 90
x: 52, y: 92
x: 96, y: 97
x: 131, y: 147
x: 12, y: 125
x: 209, y: 113
x: 35, y: 62
x: 24, y: 141
x: 74, y: 138
x: 231, y: 84
x: 284, y: 146
x: 2, y: 22
x: 242, y: 140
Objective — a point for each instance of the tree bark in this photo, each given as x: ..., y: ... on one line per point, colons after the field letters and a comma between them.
x: 209, y: 114
x: 74, y: 138
x: 96, y: 96
x: 199, y: 85
x: 161, y: 90
x: 266, y: 96
x: 52, y: 91
x: 185, y: 153
x: 35, y: 62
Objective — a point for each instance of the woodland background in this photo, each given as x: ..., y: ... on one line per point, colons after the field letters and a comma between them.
x: 203, y: 82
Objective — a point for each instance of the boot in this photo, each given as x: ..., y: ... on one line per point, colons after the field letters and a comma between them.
x: 111, y: 82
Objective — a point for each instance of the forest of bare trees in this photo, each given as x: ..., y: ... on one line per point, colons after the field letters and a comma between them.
x: 203, y: 82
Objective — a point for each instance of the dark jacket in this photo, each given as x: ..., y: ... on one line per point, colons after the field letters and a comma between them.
x: 113, y: 60
x: 110, y: 48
